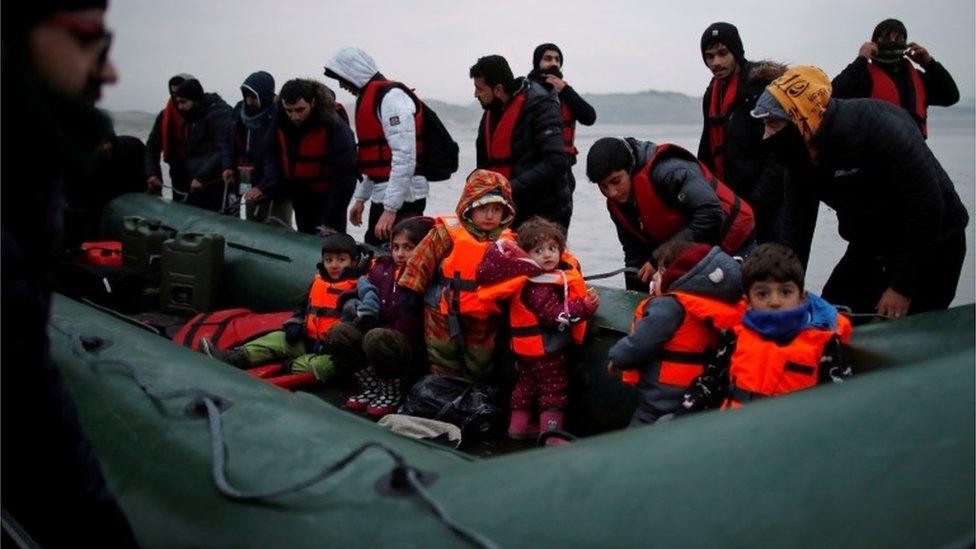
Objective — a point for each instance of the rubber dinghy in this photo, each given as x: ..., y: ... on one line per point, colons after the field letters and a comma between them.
x: 884, y: 459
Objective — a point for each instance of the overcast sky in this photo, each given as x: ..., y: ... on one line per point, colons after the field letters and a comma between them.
x: 609, y: 46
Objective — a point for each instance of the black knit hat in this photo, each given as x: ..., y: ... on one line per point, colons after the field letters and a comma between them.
x: 190, y: 89
x: 541, y: 49
x: 888, y: 26
x: 340, y: 242
x: 728, y: 35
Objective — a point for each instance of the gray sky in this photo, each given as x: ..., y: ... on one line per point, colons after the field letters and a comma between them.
x: 609, y: 46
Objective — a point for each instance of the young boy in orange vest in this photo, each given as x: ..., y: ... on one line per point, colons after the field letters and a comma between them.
x: 548, y: 309
x: 459, y: 329
x: 302, y: 341
x: 676, y: 333
x: 789, y: 339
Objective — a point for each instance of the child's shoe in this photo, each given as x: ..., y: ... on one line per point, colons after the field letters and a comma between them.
x: 552, y: 420
x: 390, y: 395
x: 235, y: 357
x: 521, y: 427
x: 369, y: 386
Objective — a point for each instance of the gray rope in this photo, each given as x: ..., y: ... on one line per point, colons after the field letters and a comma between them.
x: 598, y: 276
x: 219, y: 451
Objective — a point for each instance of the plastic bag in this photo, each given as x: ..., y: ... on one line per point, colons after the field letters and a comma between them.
x: 474, y: 407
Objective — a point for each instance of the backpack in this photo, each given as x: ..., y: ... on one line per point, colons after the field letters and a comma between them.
x: 439, y: 160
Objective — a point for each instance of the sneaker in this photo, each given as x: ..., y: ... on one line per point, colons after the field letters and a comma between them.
x: 208, y: 348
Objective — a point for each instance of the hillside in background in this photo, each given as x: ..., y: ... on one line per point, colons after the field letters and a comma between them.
x: 641, y: 108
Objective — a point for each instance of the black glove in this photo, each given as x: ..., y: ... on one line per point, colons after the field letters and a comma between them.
x: 294, y: 331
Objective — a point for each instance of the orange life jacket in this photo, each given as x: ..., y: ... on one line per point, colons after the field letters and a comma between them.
x: 529, y: 337
x: 661, y: 222
x: 569, y: 131
x: 308, y: 164
x: 885, y: 89
x: 454, y: 288
x: 498, y: 143
x: 683, y: 357
x: 172, y: 133
x: 375, y: 155
x: 718, y: 117
x: 762, y: 368
x: 323, y: 305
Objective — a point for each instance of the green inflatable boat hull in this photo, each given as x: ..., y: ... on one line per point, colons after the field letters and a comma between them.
x: 885, y: 459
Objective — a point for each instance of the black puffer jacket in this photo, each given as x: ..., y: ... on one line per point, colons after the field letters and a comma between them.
x: 206, y: 128
x: 750, y: 170
x: 889, y: 191
x: 539, y: 183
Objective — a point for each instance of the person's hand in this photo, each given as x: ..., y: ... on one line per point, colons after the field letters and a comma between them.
x: 253, y: 194
x: 919, y: 54
x: 228, y: 176
x: 892, y: 304
x: 646, y: 272
x: 592, y: 300
x: 557, y: 83
x: 195, y: 185
x: 510, y: 249
x: 868, y: 50
x: 154, y: 185
x: 384, y: 226
x: 356, y: 213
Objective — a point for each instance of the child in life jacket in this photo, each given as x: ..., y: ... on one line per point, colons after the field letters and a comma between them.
x: 549, y: 306
x: 301, y: 342
x: 379, y: 341
x: 675, y: 333
x: 459, y: 329
x: 789, y: 339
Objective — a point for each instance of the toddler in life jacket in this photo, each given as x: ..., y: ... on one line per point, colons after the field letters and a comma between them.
x: 301, y: 342
x: 675, y: 334
x: 459, y: 329
x: 789, y: 339
x: 379, y: 341
x: 548, y: 309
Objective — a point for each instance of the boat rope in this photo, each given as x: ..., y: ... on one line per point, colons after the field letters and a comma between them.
x: 16, y: 532
x: 598, y: 276
x: 211, y: 403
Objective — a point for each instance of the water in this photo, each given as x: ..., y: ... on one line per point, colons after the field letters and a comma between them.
x: 593, y: 238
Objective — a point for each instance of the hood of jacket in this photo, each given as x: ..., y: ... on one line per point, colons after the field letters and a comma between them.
x: 717, y: 276
x: 804, y: 93
x: 262, y: 85
x: 203, y: 107
x: 483, y: 187
x: 641, y: 151
x: 353, y: 64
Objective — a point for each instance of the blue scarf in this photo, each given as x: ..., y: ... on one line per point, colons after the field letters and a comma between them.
x: 783, y: 326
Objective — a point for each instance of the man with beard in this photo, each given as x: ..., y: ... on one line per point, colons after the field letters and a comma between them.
x: 55, y: 61
x: 389, y: 124
x: 168, y: 139
x: 521, y: 137
x: 885, y: 68
x: 547, y: 64
x: 311, y: 156
x: 206, y: 118
x: 896, y: 207
x: 242, y: 152
x: 731, y: 140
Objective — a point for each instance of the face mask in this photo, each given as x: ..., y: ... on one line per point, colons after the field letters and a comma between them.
x: 788, y: 147
x: 890, y: 53
x: 553, y: 70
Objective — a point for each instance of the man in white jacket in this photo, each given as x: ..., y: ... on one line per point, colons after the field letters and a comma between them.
x: 389, y: 124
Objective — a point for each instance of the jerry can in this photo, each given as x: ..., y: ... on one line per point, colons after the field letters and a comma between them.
x: 142, y: 241
x: 191, y: 273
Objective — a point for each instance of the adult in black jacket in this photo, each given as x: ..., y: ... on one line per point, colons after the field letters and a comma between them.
x: 168, y: 140
x: 320, y: 186
x: 206, y: 118
x: 243, y: 149
x: 731, y: 140
x: 889, y: 52
x: 678, y: 180
x: 547, y: 64
x: 536, y: 162
x: 52, y: 72
x: 896, y: 206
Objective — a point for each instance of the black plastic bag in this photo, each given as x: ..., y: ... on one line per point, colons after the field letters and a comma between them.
x: 474, y: 407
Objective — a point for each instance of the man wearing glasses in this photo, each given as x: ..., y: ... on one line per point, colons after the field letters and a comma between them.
x: 55, y: 62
